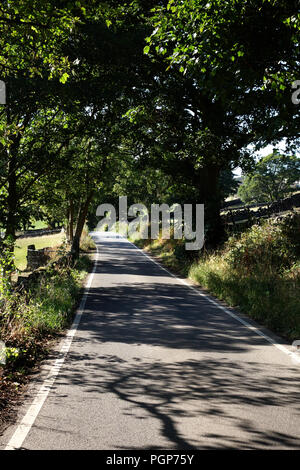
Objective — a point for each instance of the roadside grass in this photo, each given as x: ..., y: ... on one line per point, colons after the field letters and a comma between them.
x: 45, y: 241
x: 53, y: 299
x: 272, y: 301
x: 257, y: 271
x: 27, y: 318
x: 27, y: 315
x: 87, y: 244
x: 31, y: 320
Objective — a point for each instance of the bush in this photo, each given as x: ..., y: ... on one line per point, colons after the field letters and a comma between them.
x: 263, y: 250
x: 259, y: 272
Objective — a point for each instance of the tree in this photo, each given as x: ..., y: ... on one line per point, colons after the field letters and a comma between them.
x: 57, y: 71
x: 228, y: 183
x: 272, y: 179
x: 75, y: 69
x: 190, y: 138
x: 33, y: 35
x: 244, y: 51
x: 240, y: 59
x: 32, y: 41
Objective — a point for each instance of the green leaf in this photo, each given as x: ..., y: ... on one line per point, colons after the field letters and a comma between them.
x: 64, y: 78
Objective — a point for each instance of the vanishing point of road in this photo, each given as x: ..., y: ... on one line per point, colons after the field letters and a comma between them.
x: 154, y: 364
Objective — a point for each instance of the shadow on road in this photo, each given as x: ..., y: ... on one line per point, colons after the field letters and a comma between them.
x: 198, y: 393
x: 220, y: 400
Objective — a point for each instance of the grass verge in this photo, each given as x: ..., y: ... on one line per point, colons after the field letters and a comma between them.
x: 30, y: 321
x: 87, y: 244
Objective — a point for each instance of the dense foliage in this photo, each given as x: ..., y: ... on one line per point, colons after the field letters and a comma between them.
x: 179, y: 89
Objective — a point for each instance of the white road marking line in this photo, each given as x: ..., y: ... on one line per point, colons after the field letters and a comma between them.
x: 27, y: 422
x: 281, y: 348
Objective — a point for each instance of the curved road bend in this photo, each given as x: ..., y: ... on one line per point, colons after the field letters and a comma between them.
x: 154, y: 365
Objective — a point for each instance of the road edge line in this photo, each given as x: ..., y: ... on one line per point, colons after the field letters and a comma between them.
x: 256, y: 330
x: 29, y: 418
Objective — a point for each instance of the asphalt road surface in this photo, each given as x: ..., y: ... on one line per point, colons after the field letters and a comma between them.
x: 155, y: 365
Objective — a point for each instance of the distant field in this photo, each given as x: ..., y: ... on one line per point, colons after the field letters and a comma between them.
x: 39, y: 242
x: 39, y: 224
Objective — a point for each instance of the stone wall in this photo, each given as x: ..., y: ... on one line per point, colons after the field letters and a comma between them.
x: 40, y: 232
x: 37, y: 258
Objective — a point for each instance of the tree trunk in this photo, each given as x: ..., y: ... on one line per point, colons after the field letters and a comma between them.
x: 70, y: 222
x: 209, y: 195
x: 82, y: 213
x: 11, y: 220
